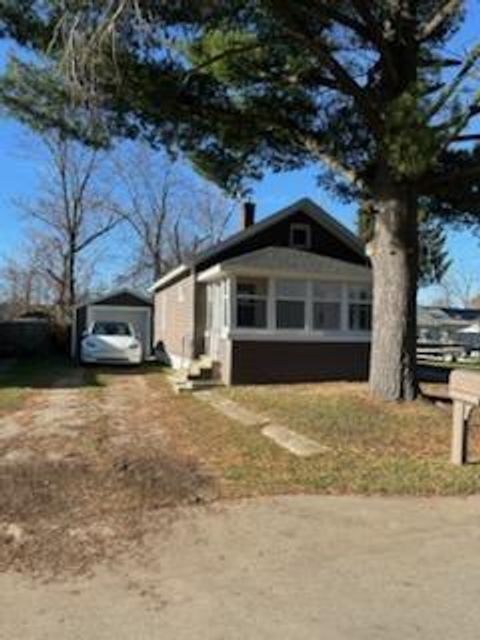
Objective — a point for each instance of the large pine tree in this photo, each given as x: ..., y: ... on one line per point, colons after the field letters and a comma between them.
x: 367, y: 91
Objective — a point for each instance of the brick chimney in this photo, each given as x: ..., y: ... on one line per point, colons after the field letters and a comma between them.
x: 248, y: 214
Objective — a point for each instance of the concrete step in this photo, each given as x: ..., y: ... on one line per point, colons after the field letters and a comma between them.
x: 203, y: 368
x: 190, y: 386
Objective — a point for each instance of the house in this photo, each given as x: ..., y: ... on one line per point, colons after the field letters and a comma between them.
x: 287, y: 299
x: 447, y: 325
x: 123, y: 305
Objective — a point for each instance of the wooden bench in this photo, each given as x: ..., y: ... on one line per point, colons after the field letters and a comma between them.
x: 464, y: 390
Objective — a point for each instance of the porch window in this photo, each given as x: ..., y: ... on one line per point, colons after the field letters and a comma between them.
x: 360, y: 308
x: 290, y: 303
x: 327, y: 306
x: 252, y: 294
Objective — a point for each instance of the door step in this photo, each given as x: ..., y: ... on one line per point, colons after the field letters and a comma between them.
x: 203, y: 373
x: 190, y: 386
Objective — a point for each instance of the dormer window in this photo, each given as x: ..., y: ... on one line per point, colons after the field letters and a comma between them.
x: 300, y: 236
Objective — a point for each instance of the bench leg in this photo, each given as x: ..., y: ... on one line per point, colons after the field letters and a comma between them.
x: 460, y: 433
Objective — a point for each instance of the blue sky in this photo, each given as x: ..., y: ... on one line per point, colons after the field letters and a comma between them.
x: 19, y: 178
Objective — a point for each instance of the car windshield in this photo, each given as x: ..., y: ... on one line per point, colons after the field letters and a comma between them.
x: 111, y: 329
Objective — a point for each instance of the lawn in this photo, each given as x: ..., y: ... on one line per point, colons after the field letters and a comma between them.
x: 90, y: 458
x: 373, y: 448
x: 23, y: 378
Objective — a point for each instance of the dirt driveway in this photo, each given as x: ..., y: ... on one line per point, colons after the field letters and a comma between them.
x: 84, y: 466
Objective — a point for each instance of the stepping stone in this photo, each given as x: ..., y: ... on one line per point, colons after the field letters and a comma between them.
x: 232, y: 410
x: 293, y: 442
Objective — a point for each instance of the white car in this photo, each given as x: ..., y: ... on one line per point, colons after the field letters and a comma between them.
x: 111, y: 342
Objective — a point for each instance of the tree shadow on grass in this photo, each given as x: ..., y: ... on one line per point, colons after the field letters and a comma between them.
x: 62, y: 373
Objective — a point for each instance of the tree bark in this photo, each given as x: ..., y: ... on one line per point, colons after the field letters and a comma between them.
x: 394, y: 255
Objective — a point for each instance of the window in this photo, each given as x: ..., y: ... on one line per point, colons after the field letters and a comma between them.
x: 300, y: 236
x: 111, y: 329
x: 327, y: 306
x: 252, y: 303
x: 290, y: 303
x: 360, y: 308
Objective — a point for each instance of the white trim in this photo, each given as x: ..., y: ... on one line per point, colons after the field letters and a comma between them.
x: 253, y: 272
x: 141, y: 310
x: 306, y: 334
x: 209, y: 275
x: 167, y: 277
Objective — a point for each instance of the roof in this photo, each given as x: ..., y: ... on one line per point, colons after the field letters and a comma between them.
x: 117, y: 292
x: 447, y: 316
x: 306, y: 205
x: 290, y: 262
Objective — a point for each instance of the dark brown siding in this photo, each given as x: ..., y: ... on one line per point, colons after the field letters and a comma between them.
x: 323, y: 242
x: 271, y: 362
x: 124, y: 300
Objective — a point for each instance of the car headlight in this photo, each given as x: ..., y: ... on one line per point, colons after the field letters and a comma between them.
x: 134, y: 345
x: 91, y: 344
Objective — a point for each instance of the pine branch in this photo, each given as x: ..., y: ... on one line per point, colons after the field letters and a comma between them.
x: 437, y: 20
x: 441, y: 183
x: 454, y: 85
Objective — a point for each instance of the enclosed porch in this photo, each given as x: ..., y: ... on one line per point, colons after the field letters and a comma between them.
x: 280, y: 314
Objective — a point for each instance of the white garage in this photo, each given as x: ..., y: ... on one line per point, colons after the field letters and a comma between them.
x: 123, y: 305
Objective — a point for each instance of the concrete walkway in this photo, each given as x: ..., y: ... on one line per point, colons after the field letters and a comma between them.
x: 295, y: 568
x: 286, y: 438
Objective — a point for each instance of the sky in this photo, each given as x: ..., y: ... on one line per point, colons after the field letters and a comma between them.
x: 19, y: 178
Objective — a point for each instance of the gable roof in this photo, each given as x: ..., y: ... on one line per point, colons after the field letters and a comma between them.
x: 117, y: 292
x: 447, y: 316
x: 289, y: 261
x: 306, y: 205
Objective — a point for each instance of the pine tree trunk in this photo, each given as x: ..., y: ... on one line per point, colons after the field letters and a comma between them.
x: 394, y: 254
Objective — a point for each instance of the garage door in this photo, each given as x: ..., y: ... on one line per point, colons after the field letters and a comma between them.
x: 139, y: 317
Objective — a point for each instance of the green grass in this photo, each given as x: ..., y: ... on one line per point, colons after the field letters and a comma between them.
x: 373, y: 448
x: 20, y: 381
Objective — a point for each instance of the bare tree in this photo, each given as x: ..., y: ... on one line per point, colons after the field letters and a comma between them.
x: 459, y: 287
x: 201, y: 224
x: 21, y: 288
x: 72, y: 211
x: 171, y: 214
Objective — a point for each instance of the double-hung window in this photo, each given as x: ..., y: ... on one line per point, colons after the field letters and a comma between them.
x: 360, y: 307
x: 327, y: 306
x: 290, y: 300
x: 252, y: 295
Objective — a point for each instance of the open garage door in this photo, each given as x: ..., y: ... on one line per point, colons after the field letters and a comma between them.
x: 139, y: 317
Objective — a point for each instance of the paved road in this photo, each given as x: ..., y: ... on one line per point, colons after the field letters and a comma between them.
x: 287, y: 568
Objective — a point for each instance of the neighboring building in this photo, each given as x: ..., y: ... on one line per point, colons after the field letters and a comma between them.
x: 449, y: 325
x: 121, y: 305
x: 285, y: 300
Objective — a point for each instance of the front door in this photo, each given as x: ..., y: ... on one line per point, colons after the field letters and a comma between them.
x: 215, y: 319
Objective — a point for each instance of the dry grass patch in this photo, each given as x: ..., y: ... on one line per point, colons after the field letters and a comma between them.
x: 87, y: 485
x: 374, y: 448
